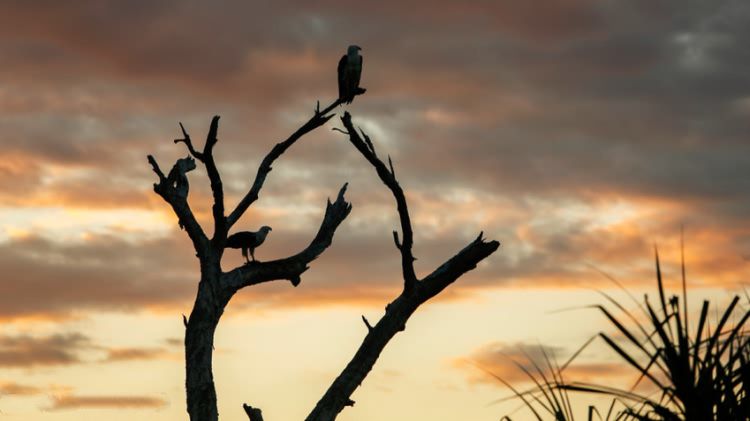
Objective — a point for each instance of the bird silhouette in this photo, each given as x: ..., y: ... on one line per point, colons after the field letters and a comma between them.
x: 349, y: 73
x: 248, y: 240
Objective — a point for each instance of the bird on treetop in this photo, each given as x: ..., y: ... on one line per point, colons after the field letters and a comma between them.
x: 248, y: 240
x: 349, y: 72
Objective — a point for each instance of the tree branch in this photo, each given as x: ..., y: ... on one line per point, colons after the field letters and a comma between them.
x: 189, y: 143
x: 254, y: 414
x: 397, y: 313
x: 318, y: 119
x: 220, y: 221
x: 207, y: 158
x: 366, y: 148
x: 367, y: 323
x: 174, y: 190
x: 414, y: 294
x: 291, y: 268
x: 464, y: 261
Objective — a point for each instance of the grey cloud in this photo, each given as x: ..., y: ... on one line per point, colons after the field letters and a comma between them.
x: 579, y: 100
x: 44, y: 277
x: 23, y: 351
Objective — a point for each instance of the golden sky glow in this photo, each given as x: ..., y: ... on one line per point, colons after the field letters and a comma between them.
x: 578, y: 133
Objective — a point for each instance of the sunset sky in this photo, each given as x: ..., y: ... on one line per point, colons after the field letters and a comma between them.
x: 578, y: 133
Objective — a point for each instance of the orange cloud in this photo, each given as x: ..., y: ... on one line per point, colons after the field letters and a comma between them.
x: 131, y: 354
x: 69, y: 402
x: 508, y: 362
x: 18, y: 389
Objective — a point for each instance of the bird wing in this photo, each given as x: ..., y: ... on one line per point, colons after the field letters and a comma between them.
x: 342, y: 77
x: 241, y: 239
x: 257, y: 238
x: 358, y: 74
x: 234, y: 241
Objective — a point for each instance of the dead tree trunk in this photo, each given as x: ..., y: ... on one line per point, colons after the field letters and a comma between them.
x: 215, y: 287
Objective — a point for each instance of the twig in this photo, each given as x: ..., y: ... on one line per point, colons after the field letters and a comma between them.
x: 367, y: 323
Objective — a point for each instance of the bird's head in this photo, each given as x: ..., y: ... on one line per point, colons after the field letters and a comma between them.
x: 265, y: 228
x: 353, y: 49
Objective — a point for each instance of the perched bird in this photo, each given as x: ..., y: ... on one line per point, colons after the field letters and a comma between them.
x: 350, y: 71
x: 248, y: 240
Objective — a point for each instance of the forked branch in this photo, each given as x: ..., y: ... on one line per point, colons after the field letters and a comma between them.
x: 174, y: 190
x: 414, y: 294
x: 291, y: 268
x: 388, y: 177
x: 217, y: 189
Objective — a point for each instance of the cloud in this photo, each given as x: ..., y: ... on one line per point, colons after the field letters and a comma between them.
x: 131, y: 354
x: 106, y: 272
x: 18, y: 389
x: 572, y: 95
x: 72, y: 402
x: 25, y: 351
x: 527, y: 121
x: 514, y: 362
x: 545, y: 244
x: 174, y: 342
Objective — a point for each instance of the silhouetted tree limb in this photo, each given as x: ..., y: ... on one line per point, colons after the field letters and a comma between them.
x: 207, y: 158
x: 415, y: 292
x: 291, y: 267
x: 254, y: 414
x: 174, y: 190
x: 318, y: 119
x: 388, y: 177
x: 216, y: 288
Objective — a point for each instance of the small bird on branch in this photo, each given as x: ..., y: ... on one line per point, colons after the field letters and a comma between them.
x: 248, y: 240
x: 350, y: 72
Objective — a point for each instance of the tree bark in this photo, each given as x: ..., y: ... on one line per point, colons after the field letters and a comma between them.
x: 199, y: 345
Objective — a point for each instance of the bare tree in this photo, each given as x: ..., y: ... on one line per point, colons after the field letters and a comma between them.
x: 216, y: 288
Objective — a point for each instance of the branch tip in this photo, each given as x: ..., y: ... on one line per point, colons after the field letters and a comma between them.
x: 213, y: 130
x: 155, y: 167
x: 342, y: 191
x: 254, y: 414
x: 367, y: 323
